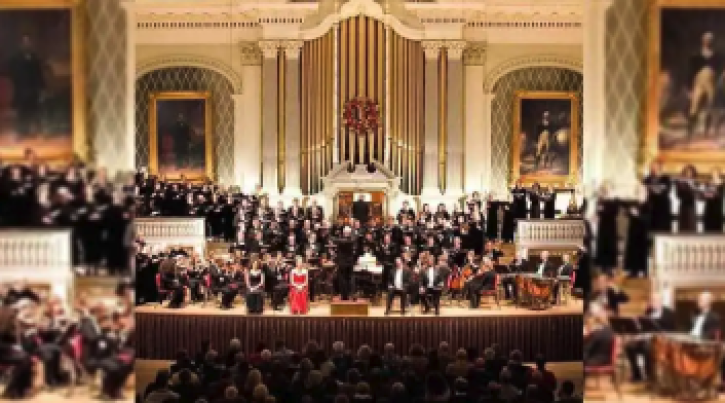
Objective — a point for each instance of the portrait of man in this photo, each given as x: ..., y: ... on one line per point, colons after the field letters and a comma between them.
x: 544, y: 134
x: 691, y: 114
x: 36, y: 100
x: 179, y: 139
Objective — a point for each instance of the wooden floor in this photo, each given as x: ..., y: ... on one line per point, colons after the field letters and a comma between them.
x: 146, y: 372
x: 82, y: 394
x: 322, y: 309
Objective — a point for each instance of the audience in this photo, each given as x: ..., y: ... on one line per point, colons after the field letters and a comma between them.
x: 365, y: 376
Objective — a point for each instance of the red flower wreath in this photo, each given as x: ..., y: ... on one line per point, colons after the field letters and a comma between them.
x: 361, y: 115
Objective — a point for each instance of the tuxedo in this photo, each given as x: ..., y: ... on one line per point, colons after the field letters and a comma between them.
x: 361, y: 211
x: 707, y: 326
x: 509, y: 283
x: 397, y: 286
x: 598, y: 348
x: 665, y: 318
x: 611, y: 299
x: 432, y: 280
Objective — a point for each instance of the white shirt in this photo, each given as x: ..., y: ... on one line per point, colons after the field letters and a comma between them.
x: 699, y: 323
x: 399, y: 279
x: 431, y: 277
x: 541, y: 269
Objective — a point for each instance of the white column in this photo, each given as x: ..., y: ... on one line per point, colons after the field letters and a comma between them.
x: 430, y: 156
x: 270, y: 50
x: 477, y: 152
x: 454, y: 172
x: 594, y: 124
x: 292, y: 118
x: 129, y: 157
x: 248, y: 121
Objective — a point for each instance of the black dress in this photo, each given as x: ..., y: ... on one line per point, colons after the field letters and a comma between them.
x: 492, y: 220
x: 509, y: 223
x: 636, y: 252
x: 713, y: 214
x: 519, y: 203
x: 686, y: 217
x: 606, y: 249
x: 658, y: 198
x: 535, y: 209
x: 255, y: 300
x: 550, y: 206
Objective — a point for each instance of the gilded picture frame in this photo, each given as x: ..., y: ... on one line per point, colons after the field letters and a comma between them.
x: 655, y: 143
x: 562, y: 171
x: 79, y: 146
x: 159, y: 118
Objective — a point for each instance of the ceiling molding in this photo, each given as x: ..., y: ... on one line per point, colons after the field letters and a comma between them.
x: 187, y: 60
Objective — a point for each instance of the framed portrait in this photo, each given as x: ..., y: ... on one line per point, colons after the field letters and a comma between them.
x: 686, y: 84
x: 42, y: 80
x: 181, y: 138
x: 545, y: 137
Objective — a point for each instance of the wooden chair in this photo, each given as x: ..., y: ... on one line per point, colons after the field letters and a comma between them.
x: 163, y: 293
x: 610, y: 369
x: 495, y: 292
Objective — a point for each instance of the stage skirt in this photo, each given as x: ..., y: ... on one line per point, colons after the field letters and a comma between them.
x: 298, y: 301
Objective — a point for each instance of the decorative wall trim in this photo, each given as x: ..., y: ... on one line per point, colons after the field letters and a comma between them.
x: 163, y: 232
x: 510, y: 65
x: 549, y: 234
x: 475, y: 54
x: 146, y: 66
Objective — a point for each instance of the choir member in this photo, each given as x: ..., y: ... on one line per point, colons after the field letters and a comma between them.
x: 607, y: 235
x: 509, y: 222
x: 712, y: 193
x: 549, y: 199
x: 535, y: 202
x: 686, y: 192
x: 636, y: 253
x: 492, y: 218
x: 519, y: 201
x: 659, y: 187
x: 299, y: 283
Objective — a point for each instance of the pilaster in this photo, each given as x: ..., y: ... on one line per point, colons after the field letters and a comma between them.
x: 455, y: 112
x: 270, y: 53
x: 248, y: 120
x: 129, y: 159
x: 292, y: 118
x: 476, y: 151
x: 430, y: 156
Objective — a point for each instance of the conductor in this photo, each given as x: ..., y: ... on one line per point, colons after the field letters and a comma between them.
x: 361, y: 210
x: 345, y: 263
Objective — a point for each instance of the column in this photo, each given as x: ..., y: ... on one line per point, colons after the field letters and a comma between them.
x: 430, y: 155
x: 270, y: 50
x: 594, y: 124
x: 248, y: 121
x: 292, y: 118
x: 454, y: 173
x: 129, y: 159
x: 476, y: 151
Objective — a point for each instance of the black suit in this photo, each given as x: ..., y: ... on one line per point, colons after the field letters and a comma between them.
x: 432, y: 295
x: 399, y: 291
x: 509, y: 283
x: 598, y: 347
x: 361, y: 211
x: 612, y: 299
x: 711, y: 327
x: 346, y: 260
x: 666, y: 321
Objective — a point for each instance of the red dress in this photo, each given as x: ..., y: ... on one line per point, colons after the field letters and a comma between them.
x: 298, y: 301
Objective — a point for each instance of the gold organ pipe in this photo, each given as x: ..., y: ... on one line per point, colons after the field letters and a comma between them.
x: 421, y: 114
x: 362, y: 47
x: 342, y: 54
x: 327, y: 96
x: 352, y: 80
x: 406, y: 122
x: 397, y: 110
x: 443, y: 119
x: 393, y: 163
x: 312, y: 89
x: 304, y: 85
x: 380, y: 93
x: 413, y: 91
x: 319, y: 104
x: 331, y: 89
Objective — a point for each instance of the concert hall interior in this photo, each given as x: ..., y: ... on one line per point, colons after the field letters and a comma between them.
x: 362, y: 200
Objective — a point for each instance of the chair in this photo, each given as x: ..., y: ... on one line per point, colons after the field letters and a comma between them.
x: 163, y: 293
x: 610, y: 369
x: 495, y: 292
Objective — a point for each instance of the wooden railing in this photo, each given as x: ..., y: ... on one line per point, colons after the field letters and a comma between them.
x: 549, y: 234
x: 687, y: 262
x: 38, y: 256
x: 173, y: 231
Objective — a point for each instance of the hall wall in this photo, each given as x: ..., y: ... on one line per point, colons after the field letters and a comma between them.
x: 502, y: 109
x: 110, y: 140
x: 625, y: 84
x: 190, y: 79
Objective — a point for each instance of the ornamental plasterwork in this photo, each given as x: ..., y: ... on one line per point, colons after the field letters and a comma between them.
x: 250, y: 54
x: 455, y: 49
x: 269, y: 48
x: 530, y: 61
x: 475, y: 54
x: 161, y: 62
x: 292, y: 49
x: 432, y: 48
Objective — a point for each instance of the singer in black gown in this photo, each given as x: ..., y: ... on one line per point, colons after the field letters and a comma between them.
x: 712, y: 193
x: 535, y: 201
x: 659, y: 187
x: 687, y: 192
x: 636, y: 252
x: 606, y: 250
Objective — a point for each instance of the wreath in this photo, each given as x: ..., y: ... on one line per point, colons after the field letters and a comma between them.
x: 361, y: 115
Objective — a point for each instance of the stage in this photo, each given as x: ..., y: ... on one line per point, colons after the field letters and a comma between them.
x: 161, y: 332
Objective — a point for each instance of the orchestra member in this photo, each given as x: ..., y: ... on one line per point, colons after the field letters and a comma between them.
x: 171, y: 283
x: 598, y: 338
x: 432, y: 282
x: 665, y: 319
x: 298, y: 298
x: 518, y: 265
x: 608, y: 295
x: 222, y: 283
x: 399, y: 280
x: 706, y: 325
x: 11, y: 356
x: 255, y: 289
x: 545, y: 268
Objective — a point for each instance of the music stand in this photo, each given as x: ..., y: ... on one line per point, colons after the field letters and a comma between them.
x: 649, y: 325
x: 625, y: 326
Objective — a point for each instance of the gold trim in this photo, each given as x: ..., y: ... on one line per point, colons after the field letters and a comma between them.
x: 380, y: 92
x: 281, y: 120
x: 442, y: 119
x: 79, y: 136
x: 208, y: 136
x: 553, y: 180
x: 673, y: 160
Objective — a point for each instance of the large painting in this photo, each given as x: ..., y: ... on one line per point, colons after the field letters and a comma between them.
x: 181, y: 138
x: 41, y: 80
x: 686, y: 109
x: 545, y: 137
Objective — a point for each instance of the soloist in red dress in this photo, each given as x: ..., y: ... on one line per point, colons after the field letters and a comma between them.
x: 298, y: 302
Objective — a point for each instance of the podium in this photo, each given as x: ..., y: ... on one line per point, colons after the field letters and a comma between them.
x: 359, y: 307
